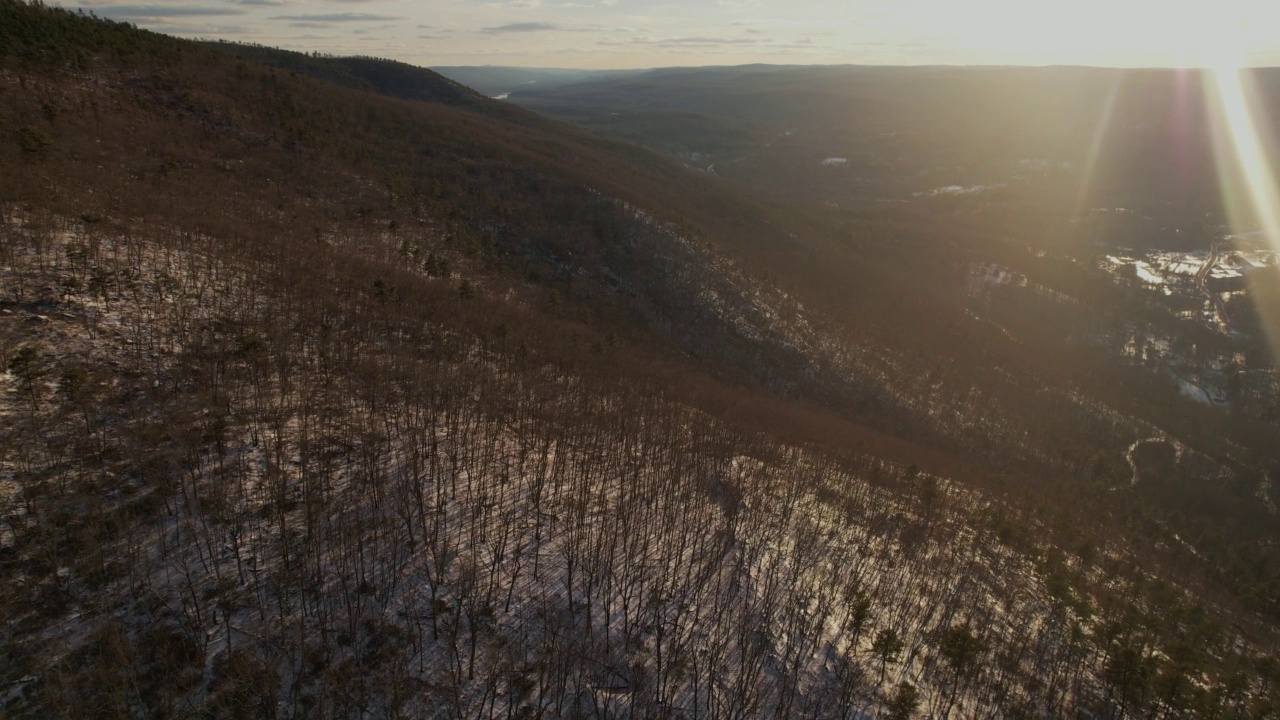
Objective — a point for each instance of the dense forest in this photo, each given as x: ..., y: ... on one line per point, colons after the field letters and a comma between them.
x: 334, y: 389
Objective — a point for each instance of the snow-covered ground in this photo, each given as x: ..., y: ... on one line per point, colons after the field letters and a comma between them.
x: 380, y: 530
x: 959, y: 189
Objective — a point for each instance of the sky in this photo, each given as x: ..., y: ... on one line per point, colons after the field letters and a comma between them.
x: 660, y: 33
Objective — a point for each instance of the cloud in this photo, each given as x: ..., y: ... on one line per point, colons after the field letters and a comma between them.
x: 159, y: 11
x: 337, y: 17
x: 802, y: 44
x: 262, y: 3
x: 522, y: 27
x: 693, y: 41
x: 204, y: 30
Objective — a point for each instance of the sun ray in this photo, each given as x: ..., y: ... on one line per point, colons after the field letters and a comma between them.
x: 1096, y: 142
x: 1247, y: 180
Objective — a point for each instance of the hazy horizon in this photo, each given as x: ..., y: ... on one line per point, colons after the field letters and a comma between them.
x: 644, y: 34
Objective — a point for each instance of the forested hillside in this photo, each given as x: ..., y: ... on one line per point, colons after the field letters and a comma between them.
x: 332, y: 389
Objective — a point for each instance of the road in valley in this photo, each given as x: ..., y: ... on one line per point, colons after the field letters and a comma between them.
x: 1202, y: 282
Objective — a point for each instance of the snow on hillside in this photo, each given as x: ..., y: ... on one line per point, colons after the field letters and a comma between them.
x: 345, y: 525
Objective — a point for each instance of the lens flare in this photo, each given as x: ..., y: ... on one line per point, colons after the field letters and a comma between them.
x: 1234, y: 113
x: 1246, y: 178
x: 1099, y: 137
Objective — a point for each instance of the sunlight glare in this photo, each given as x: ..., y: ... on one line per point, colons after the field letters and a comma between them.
x: 1234, y: 114
x: 1136, y: 33
x: 1247, y: 181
